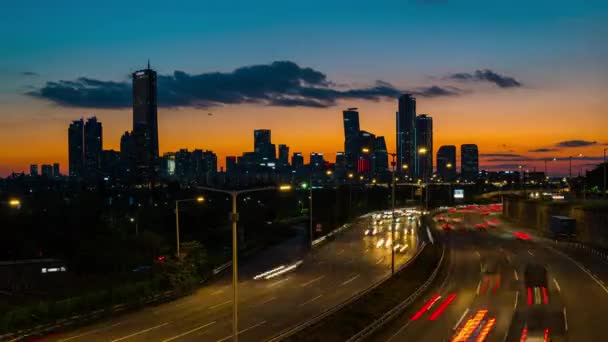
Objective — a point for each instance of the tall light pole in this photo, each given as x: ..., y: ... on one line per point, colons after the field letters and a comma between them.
x: 404, y: 167
x: 394, y: 184
x: 422, y: 151
x: 350, y: 193
x: 198, y: 199
x: 234, y: 217
x: 604, y: 194
x: 449, y: 166
x: 570, y: 160
x: 14, y: 203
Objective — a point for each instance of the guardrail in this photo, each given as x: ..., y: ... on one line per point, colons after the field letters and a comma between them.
x: 389, y: 315
x: 291, y: 331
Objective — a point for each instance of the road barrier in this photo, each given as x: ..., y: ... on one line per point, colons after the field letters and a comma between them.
x: 292, y: 331
x: 391, y: 314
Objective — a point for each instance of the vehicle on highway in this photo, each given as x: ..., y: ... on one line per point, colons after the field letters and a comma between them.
x: 481, y: 226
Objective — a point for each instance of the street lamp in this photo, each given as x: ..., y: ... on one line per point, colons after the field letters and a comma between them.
x: 234, y: 216
x: 604, y: 194
x: 570, y: 160
x: 14, y: 203
x: 198, y: 199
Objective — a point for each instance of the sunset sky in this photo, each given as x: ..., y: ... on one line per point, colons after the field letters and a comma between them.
x: 524, y: 82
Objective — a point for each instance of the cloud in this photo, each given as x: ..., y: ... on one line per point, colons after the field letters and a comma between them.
x: 29, y: 73
x: 502, y: 155
x: 486, y: 75
x: 281, y: 83
x: 575, y: 143
x: 544, y: 150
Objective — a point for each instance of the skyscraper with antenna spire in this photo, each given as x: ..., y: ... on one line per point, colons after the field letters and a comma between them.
x: 145, y: 124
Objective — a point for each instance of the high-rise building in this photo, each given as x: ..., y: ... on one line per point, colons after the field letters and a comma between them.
x: 262, y: 145
x: 46, y: 170
x: 316, y: 160
x: 93, y: 145
x: 110, y: 163
x: 34, y: 170
x: 352, y: 146
x: 469, y: 162
x: 56, y: 170
x: 366, y: 161
x: 446, y: 162
x: 127, y: 153
x: 406, y: 134
x: 231, y: 164
x: 381, y: 157
x: 76, y: 148
x: 145, y: 124
x: 424, y: 147
x: 283, y: 155
x: 297, y: 160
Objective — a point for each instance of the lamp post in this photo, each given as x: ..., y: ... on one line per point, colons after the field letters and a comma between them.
x: 350, y: 193
x: 393, y: 185
x: 234, y: 216
x: 604, y: 194
x: 14, y: 203
x: 404, y: 167
x: 570, y: 161
x: 449, y: 166
x: 198, y: 199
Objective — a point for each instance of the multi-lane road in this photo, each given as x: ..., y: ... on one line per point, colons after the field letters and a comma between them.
x: 319, y: 279
x: 483, y: 285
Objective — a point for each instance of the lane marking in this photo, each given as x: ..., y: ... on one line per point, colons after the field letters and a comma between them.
x: 478, y: 287
x: 478, y: 254
x: 461, y: 318
x: 509, y: 259
x: 214, y: 293
x: 221, y: 304
x: 278, y: 282
x: 565, y: 319
x: 515, y: 274
x: 340, y: 251
x: 140, y: 332
x: 312, y: 281
x: 379, y: 260
x: 242, y: 331
x: 350, y: 280
x: 311, y: 300
x: 189, y: 332
x: 557, y: 285
x: 584, y: 270
x: 267, y: 300
x: 89, y: 332
x: 516, y: 300
x: 530, y: 252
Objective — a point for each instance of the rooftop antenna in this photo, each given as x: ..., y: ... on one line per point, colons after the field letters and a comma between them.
x: 148, y: 63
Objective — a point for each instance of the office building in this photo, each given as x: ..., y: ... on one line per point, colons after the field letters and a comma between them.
x: 316, y: 161
x: 263, y: 146
x: 381, y: 166
x: 283, y: 155
x: 352, y: 146
x: 56, y: 170
x: 34, y: 170
x: 93, y: 145
x: 76, y: 148
x: 446, y: 162
x: 145, y: 124
x: 469, y: 162
x: 46, y: 170
x: 406, y: 134
x: 366, y: 161
x: 297, y: 160
x: 424, y: 147
x: 231, y: 164
x: 127, y: 153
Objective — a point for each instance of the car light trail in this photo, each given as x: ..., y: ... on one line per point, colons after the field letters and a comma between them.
x: 379, y: 243
x: 442, y: 307
x: 529, y: 296
x: 546, y: 334
x: 485, y: 284
x: 425, y: 307
x: 262, y: 275
x: 487, y: 328
x: 545, y: 296
x: 470, y: 326
x: 497, y: 284
x: 524, y: 335
x: 284, y: 270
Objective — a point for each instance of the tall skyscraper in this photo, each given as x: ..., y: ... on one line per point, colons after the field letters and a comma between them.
x: 352, y: 146
x: 46, y: 170
x: 34, y: 170
x: 93, y: 145
x: 145, y: 124
x: 76, y: 148
x: 56, y: 170
x: 469, y: 162
x: 381, y: 157
x: 230, y: 164
x: 446, y: 162
x: 424, y: 147
x: 127, y: 153
x: 406, y: 134
x: 263, y: 146
x: 297, y: 160
x: 283, y: 155
x: 366, y: 161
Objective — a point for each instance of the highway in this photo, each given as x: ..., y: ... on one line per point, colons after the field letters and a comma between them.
x: 577, y: 299
x: 319, y: 279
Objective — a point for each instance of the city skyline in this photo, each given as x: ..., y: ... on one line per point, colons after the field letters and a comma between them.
x: 494, y: 95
